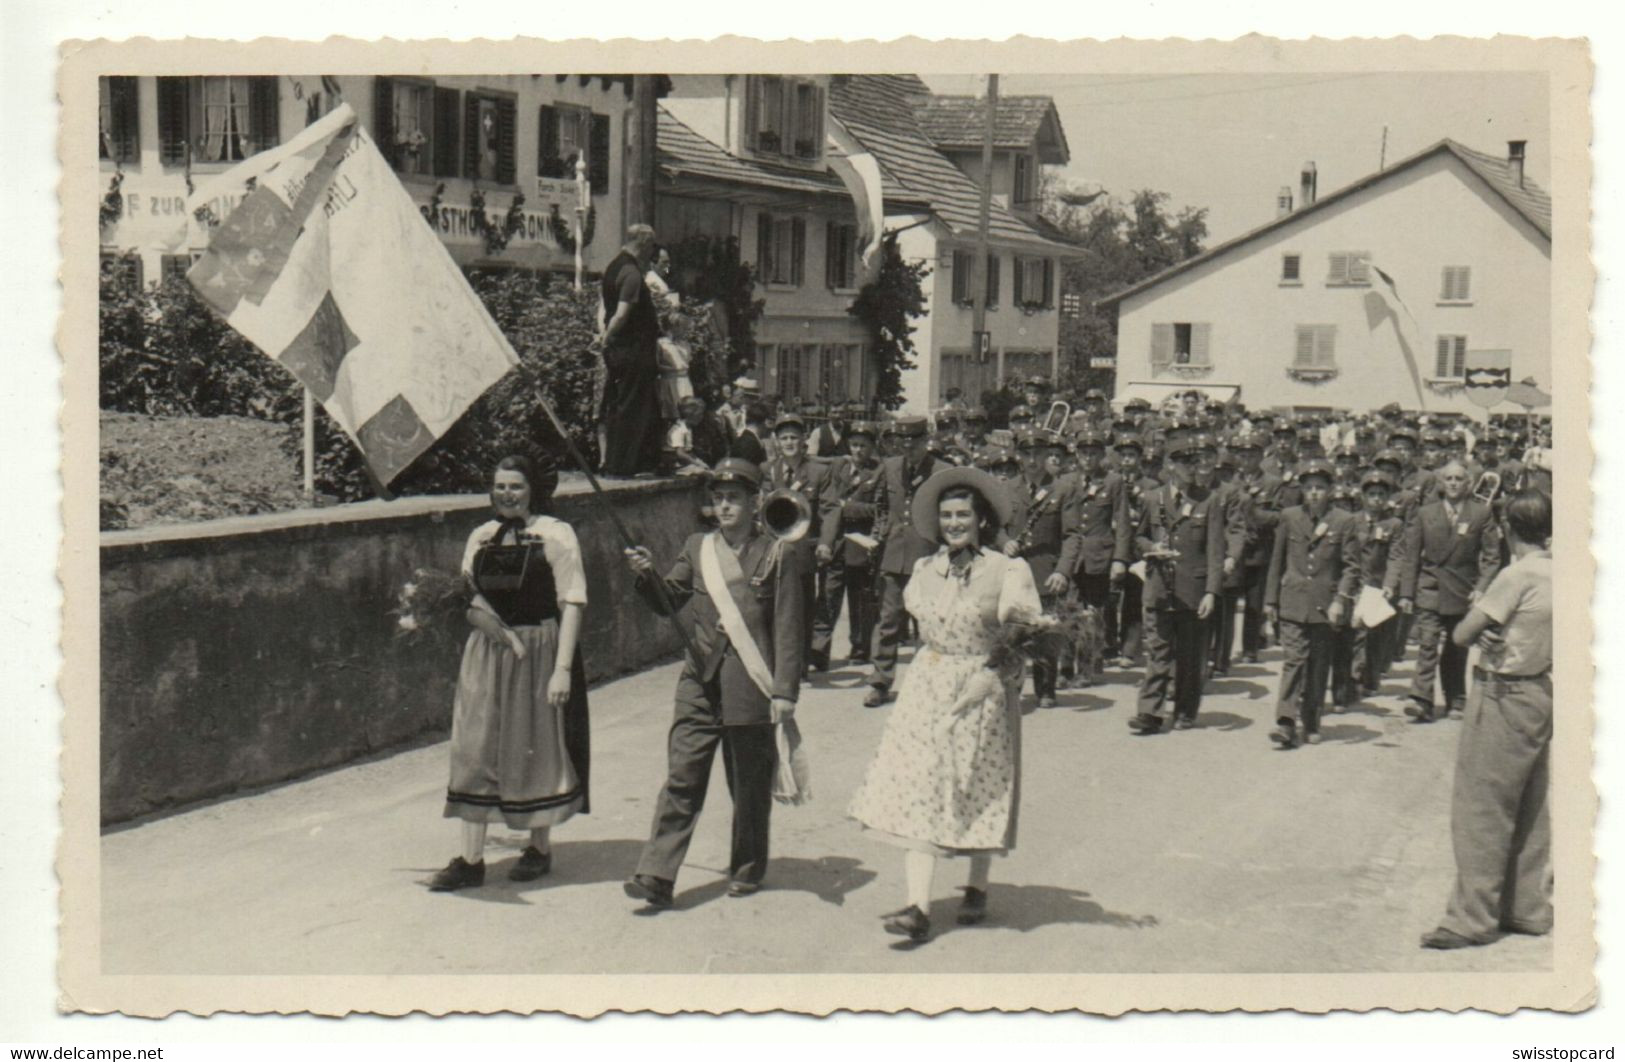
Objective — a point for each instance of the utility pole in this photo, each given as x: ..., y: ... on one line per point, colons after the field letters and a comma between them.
x: 1382, y: 160
x: 640, y: 151
x: 979, y: 272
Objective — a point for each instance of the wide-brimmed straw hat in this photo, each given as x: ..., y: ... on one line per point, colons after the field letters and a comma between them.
x: 924, y: 509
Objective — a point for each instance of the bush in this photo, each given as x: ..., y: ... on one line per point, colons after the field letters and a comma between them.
x: 166, y: 470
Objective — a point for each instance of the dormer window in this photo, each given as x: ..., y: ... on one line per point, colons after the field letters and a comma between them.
x: 785, y: 118
x: 1024, y: 196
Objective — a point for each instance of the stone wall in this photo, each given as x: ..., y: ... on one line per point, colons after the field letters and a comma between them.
x: 242, y: 652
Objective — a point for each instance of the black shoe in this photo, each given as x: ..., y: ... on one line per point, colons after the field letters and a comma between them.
x: 1457, y: 708
x: 878, y: 695
x: 738, y: 890
x: 818, y: 661
x: 458, y: 874
x: 910, y: 922
x: 1145, y: 723
x: 1444, y: 939
x: 1046, y: 701
x: 1285, y: 735
x: 656, y: 892
x: 1184, y: 722
x: 857, y: 656
x: 1249, y: 658
x: 1422, y: 713
x: 533, y: 863
x: 973, y: 908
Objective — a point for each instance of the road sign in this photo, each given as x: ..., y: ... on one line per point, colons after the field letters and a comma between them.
x: 1103, y: 363
x: 1487, y: 375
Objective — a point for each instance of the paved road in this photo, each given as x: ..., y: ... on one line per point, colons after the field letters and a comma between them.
x: 1199, y: 851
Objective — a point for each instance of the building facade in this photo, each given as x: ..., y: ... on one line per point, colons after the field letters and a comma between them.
x: 466, y: 149
x: 1380, y: 292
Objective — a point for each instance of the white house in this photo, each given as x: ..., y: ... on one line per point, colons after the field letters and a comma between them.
x: 1379, y: 292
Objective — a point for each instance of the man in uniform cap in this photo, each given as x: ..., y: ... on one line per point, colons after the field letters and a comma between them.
x: 1099, y: 539
x: 901, y: 546
x: 855, y: 482
x: 1181, y: 538
x: 1136, y: 487
x: 1035, y: 393
x: 734, y: 592
x: 794, y: 471
x: 1037, y: 531
x: 1381, y: 535
x: 1021, y: 416
x: 1281, y: 459
x: 1314, y: 575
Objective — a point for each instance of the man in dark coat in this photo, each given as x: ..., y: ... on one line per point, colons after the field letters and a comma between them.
x: 1181, y: 538
x: 1099, y: 538
x: 1037, y: 530
x: 1136, y: 486
x: 632, y: 433
x: 854, y: 481
x: 719, y: 703
x: 794, y: 471
x: 1452, y: 551
x: 900, y: 547
x: 1314, y: 575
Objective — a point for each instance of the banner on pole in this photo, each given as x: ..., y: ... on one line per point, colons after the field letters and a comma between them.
x: 327, y: 267
x: 1488, y: 376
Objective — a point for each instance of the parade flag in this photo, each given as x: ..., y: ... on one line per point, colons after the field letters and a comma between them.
x: 860, y: 173
x: 1383, y: 301
x: 327, y: 266
x: 1488, y: 376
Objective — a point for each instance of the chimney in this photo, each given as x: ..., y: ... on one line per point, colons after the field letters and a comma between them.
x: 1515, y: 159
x: 1307, y: 181
x: 1283, y: 201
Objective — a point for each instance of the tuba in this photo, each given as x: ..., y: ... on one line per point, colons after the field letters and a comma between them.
x: 1060, y: 413
x: 1487, y: 487
x: 786, y: 515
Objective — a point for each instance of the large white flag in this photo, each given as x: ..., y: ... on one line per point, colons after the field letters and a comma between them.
x: 858, y: 170
x: 327, y: 266
x: 1383, y: 301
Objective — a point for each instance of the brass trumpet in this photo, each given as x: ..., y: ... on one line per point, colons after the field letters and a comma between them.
x: 786, y: 515
x: 1487, y: 487
x: 1059, y: 415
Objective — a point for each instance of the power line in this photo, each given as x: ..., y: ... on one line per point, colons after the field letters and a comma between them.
x: 1230, y: 92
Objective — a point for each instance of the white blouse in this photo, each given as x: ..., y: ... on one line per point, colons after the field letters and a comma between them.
x: 559, y: 546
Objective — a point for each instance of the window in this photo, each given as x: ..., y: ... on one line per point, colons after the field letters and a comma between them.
x: 417, y: 125
x: 1352, y: 268
x: 841, y: 256
x: 1023, y: 195
x: 216, y: 119
x: 569, y: 133
x: 785, y: 116
x: 120, y: 120
x: 962, y: 279
x: 1034, y: 280
x: 1180, y: 343
x: 1456, y: 284
x: 1451, y: 363
x: 1291, y: 268
x: 781, y: 247
x: 488, y: 137
x: 1315, y: 347
x: 175, y: 266
x: 122, y: 266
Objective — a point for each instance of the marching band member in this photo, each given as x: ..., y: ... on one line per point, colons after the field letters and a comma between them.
x: 855, y: 479
x: 793, y: 470
x: 1099, y: 538
x: 1039, y: 528
x: 742, y: 595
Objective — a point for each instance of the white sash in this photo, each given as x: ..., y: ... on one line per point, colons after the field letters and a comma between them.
x: 733, y: 624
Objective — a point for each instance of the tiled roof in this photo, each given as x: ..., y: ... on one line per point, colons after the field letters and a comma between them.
x: 878, y: 109
x: 1529, y: 200
x: 959, y: 121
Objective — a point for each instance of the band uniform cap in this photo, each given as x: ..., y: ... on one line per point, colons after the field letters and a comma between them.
x: 790, y: 420
x: 995, y: 456
x: 1035, y: 438
x: 1346, y: 453
x: 974, y: 416
x: 1128, y: 440
x: 746, y: 383
x: 736, y: 470
x: 1021, y: 411
x: 863, y: 427
x: 1093, y: 394
x: 909, y: 427
x: 1317, y: 467
x: 1092, y: 438
x: 1137, y: 403
x: 1378, y: 478
x: 1284, y: 427
x: 1202, y: 441
x: 1037, y: 383
x: 924, y: 508
x: 1404, y: 431
x: 1177, y: 446
x: 1246, y: 440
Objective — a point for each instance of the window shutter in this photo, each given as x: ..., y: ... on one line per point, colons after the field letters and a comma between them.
x: 125, y: 118
x: 764, y: 247
x: 1289, y: 267
x: 172, y: 100
x: 992, y: 280
x: 264, y: 114
x: 1464, y: 282
x: 548, y: 163
x: 447, y: 104
x: 832, y: 255
x: 1304, y: 354
x: 1200, y: 334
x: 1049, y: 283
x: 798, y: 249
x: 1338, y: 273
x: 1018, y: 281
x: 818, y: 122
x: 598, y: 154
x: 1459, y: 364
x: 1162, y: 346
x: 1360, y: 268
x: 1325, y: 346
x: 383, y: 117
x: 471, y: 135
x: 506, y: 162
x: 961, y: 277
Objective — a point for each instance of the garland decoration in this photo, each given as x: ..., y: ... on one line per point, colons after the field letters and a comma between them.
x: 561, y: 231
x: 112, y: 207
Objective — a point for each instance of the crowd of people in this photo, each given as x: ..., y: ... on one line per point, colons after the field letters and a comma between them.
x: 1346, y: 540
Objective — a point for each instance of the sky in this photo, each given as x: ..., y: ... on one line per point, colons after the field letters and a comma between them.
x: 1229, y: 142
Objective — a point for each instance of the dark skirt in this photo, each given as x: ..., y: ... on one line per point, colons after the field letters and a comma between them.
x: 514, y: 758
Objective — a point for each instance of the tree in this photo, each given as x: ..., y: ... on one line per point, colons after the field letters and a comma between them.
x: 1120, y: 245
x: 887, y: 305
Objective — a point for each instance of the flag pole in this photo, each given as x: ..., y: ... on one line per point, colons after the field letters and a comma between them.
x: 309, y: 448
x: 601, y: 496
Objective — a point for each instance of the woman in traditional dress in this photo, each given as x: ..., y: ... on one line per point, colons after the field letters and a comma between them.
x: 946, y: 778
x: 519, y: 743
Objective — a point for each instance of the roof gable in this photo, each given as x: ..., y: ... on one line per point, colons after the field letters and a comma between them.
x: 1528, y: 200
x: 1021, y: 123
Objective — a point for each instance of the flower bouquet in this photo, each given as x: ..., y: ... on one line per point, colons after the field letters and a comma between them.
x: 1067, y: 628
x: 431, y: 604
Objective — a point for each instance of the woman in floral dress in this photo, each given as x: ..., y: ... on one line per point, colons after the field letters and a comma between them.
x: 945, y: 780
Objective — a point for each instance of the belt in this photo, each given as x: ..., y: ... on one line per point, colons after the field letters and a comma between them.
x: 1483, y: 675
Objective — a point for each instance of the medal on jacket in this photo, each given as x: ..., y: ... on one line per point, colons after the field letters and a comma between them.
x: 1320, y: 530
x: 1186, y: 510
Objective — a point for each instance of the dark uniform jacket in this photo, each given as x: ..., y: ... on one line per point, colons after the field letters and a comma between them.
x: 1255, y: 506
x: 893, y: 524
x: 1444, y: 562
x: 1039, y: 521
x: 1098, y: 531
x: 1313, y: 563
x: 811, y: 479
x: 772, y: 610
x: 748, y: 446
x: 855, y: 488
x: 1195, y: 526
x: 1382, y: 543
